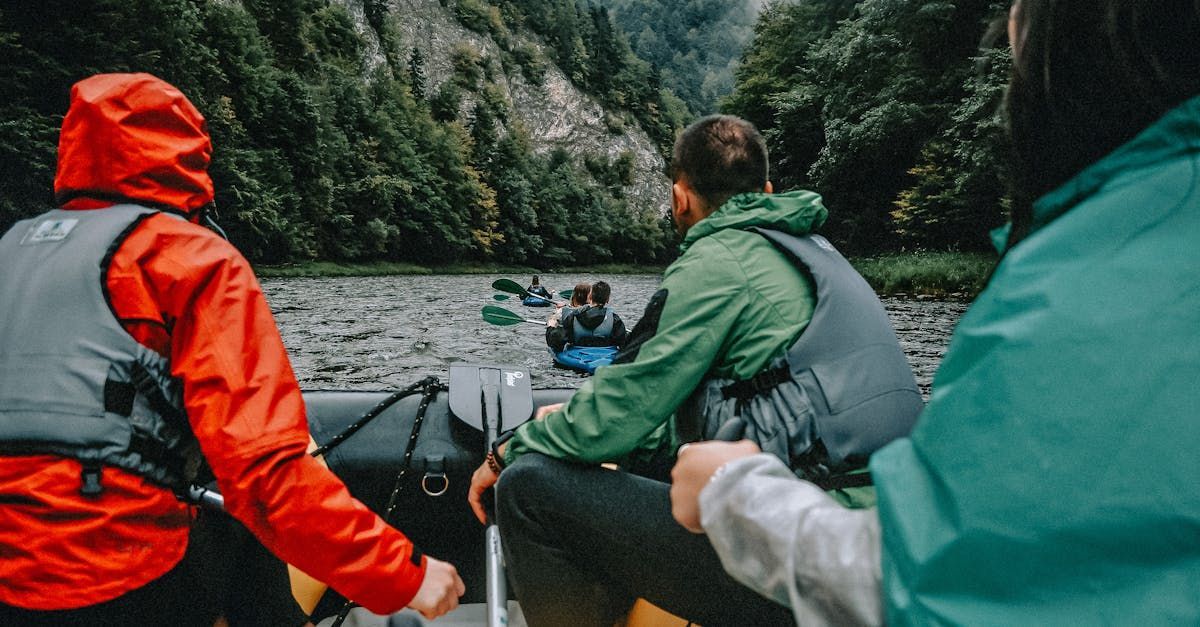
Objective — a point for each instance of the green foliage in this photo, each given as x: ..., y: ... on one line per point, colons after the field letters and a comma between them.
x: 615, y: 173
x: 416, y: 73
x: 474, y: 14
x: 320, y: 155
x: 878, y: 105
x: 695, y: 44
x: 958, y: 193
x: 527, y: 58
x: 468, y: 65
x: 931, y: 273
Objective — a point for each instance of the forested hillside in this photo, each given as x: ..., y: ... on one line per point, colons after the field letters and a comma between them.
x: 695, y: 44
x: 889, y: 109
x: 528, y: 131
x: 593, y: 52
x: 330, y: 139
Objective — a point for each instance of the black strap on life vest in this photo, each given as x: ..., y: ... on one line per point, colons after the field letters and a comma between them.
x: 841, y: 482
x: 758, y: 384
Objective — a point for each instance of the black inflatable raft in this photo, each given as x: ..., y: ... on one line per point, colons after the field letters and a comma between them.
x: 431, y: 496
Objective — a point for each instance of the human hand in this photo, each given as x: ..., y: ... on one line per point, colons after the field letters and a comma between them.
x: 694, y: 468
x: 483, y: 479
x: 552, y: 321
x: 439, y: 591
x: 546, y: 410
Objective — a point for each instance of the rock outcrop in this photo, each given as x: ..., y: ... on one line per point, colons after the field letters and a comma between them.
x: 554, y: 113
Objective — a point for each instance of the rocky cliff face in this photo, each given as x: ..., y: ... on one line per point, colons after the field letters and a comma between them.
x: 554, y: 114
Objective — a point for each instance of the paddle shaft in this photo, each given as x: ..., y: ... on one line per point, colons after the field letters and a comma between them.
x: 532, y: 295
x: 512, y: 287
x: 208, y: 499
x: 502, y: 316
x: 497, y: 585
x: 563, y: 294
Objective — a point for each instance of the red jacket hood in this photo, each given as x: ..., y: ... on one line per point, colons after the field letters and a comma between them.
x: 133, y: 137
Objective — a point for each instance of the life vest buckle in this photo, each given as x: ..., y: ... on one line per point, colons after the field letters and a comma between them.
x: 90, y: 480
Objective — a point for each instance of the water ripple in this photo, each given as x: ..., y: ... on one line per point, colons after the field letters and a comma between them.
x: 386, y: 332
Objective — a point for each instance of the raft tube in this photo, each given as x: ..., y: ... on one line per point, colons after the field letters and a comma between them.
x: 585, y: 358
x: 535, y: 301
x: 432, y: 505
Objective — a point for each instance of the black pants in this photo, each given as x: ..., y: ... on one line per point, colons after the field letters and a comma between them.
x: 581, y: 543
x: 225, y: 572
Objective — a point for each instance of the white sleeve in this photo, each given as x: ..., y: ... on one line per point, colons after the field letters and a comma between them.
x: 789, y: 541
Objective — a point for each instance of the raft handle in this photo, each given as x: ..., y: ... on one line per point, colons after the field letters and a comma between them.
x: 435, y: 468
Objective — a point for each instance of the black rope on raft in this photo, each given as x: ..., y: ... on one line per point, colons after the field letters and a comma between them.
x: 428, y: 387
x: 430, y: 393
x: 336, y: 440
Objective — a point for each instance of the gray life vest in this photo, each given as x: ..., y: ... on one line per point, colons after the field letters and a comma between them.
x: 843, y: 390
x: 603, y: 330
x: 73, y: 382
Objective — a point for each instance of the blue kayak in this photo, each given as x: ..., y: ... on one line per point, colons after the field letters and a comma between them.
x: 534, y: 301
x: 585, y: 358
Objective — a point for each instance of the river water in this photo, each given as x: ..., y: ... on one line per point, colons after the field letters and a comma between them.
x: 376, y: 333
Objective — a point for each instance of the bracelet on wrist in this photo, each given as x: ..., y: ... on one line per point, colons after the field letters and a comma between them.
x: 494, y: 463
x: 495, y: 460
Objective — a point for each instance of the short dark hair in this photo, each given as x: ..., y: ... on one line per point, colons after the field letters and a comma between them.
x: 600, y: 293
x: 720, y: 156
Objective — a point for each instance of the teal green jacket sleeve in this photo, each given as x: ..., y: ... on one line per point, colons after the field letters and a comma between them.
x: 622, y: 406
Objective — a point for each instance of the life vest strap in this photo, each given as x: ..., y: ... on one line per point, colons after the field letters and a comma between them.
x: 842, y: 482
x: 759, y: 383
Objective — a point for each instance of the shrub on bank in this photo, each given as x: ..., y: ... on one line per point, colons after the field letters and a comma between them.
x: 960, y: 275
x: 927, y: 273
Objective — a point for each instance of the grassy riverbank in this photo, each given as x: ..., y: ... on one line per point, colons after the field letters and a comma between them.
x: 956, y: 275
x: 386, y: 268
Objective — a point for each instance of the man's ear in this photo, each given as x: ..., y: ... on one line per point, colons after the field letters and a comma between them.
x: 768, y: 188
x: 680, y: 199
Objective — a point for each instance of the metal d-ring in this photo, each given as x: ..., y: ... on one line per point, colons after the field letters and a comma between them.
x: 439, y: 475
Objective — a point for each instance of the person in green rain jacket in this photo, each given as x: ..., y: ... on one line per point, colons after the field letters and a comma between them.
x: 726, y: 307
x: 1052, y: 478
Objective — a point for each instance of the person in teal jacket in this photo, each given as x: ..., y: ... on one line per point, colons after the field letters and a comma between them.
x: 1051, y: 479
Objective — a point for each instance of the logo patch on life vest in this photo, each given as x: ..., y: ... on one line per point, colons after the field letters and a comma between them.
x: 50, y: 231
x: 510, y: 378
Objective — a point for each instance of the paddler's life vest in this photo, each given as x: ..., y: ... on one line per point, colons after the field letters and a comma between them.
x: 73, y: 382
x: 601, y: 335
x: 843, y: 390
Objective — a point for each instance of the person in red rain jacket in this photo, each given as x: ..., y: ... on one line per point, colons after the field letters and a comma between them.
x: 71, y: 553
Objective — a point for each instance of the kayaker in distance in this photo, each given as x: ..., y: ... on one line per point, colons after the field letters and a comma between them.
x: 136, y: 347
x: 581, y: 541
x: 594, y: 324
x: 1052, y: 479
x: 537, y: 289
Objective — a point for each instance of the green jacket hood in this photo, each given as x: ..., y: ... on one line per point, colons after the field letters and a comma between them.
x: 797, y: 213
